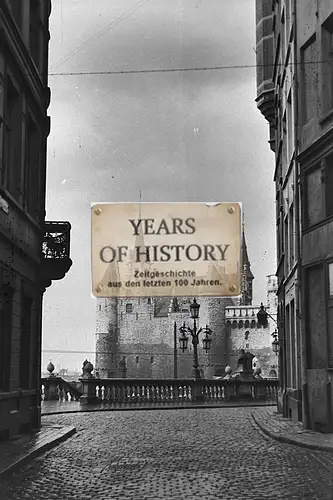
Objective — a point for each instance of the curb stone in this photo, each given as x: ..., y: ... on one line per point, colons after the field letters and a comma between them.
x: 293, y: 441
x: 70, y: 431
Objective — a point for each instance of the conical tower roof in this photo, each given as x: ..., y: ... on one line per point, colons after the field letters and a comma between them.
x: 245, y: 261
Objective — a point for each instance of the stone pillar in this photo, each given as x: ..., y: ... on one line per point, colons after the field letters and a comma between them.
x: 88, y: 382
x: 52, y: 385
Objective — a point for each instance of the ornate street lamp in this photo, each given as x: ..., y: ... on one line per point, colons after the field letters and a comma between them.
x: 275, y: 343
x: 194, y: 308
x: 206, y: 341
x: 183, y: 339
x: 262, y: 316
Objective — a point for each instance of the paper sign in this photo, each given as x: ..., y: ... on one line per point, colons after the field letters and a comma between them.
x: 166, y: 249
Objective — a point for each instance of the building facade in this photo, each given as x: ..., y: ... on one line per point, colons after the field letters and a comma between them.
x: 32, y: 252
x: 142, y: 334
x: 294, y: 93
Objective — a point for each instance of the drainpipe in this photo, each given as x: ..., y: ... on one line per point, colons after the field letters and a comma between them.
x: 299, y: 287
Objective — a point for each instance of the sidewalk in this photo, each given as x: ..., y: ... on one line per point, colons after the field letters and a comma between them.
x: 289, y: 431
x: 16, y: 451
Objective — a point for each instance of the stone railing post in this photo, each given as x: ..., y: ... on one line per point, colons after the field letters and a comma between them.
x: 88, y: 382
x: 197, y: 391
x: 52, y: 384
x: 259, y: 388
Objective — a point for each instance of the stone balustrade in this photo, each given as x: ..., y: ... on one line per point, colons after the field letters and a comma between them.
x: 92, y: 390
x: 57, y: 389
x: 134, y: 391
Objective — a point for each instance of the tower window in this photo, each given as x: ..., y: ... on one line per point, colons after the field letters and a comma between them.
x: 129, y: 308
x: 247, y: 335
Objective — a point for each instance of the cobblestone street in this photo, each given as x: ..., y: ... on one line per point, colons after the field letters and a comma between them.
x: 176, y: 454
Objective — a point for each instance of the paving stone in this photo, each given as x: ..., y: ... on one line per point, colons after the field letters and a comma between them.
x: 192, y: 454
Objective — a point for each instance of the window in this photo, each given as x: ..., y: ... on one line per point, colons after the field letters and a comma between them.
x: 291, y: 237
x: 137, y: 359
x: 247, y: 346
x: 293, y: 346
x: 129, y: 308
x: 313, y: 197
x: 309, y: 79
x: 149, y: 300
x: 286, y: 245
x: 315, y: 333
x: 288, y: 352
x: 12, y: 140
x: 330, y: 280
x: 327, y: 65
x: 137, y: 316
x: 25, y: 342
x: 32, y: 168
x: 6, y: 297
x: 151, y: 359
x: 330, y: 311
x: 290, y: 127
x: 247, y: 335
x: 329, y: 185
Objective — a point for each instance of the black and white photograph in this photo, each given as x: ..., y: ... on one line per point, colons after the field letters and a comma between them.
x: 166, y: 249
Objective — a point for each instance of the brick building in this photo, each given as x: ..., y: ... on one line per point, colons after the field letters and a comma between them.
x: 295, y: 94
x: 142, y: 332
x: 32, y: 252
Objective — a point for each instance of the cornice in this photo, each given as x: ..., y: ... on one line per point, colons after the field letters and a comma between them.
x: 317, y: 149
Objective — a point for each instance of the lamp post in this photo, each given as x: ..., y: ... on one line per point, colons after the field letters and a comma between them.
x: 194, y: 332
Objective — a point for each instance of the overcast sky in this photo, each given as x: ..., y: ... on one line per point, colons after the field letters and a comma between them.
x: 178, y: 136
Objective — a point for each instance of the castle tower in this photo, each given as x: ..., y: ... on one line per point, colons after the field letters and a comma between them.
x: 107, y: 328
x: 106, y: 337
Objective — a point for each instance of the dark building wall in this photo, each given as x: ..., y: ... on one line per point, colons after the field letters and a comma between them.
x: 24, y: 98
